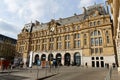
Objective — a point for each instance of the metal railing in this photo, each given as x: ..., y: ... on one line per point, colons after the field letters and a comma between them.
x: 109, y: 74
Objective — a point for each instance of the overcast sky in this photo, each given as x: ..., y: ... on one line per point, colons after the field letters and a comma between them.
x: 15, y: 13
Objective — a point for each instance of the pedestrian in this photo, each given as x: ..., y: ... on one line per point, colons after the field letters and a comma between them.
x: 86, y: 64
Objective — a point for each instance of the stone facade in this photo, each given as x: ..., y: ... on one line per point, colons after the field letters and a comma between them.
x: 115, y: 10
x: 79, y: 39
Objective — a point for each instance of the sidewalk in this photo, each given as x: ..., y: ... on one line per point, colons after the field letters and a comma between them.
x: 33, y: 74
x: 115, y: 75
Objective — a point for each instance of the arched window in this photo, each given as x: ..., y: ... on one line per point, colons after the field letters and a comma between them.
x: 96, y: 42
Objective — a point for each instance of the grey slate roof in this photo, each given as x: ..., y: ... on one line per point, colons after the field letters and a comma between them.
x: 75, y: 18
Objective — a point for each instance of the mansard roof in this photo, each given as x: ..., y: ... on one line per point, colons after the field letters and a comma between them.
x: 64, y: 21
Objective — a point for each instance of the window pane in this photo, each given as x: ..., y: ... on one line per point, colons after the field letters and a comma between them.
x: 101, y: 50
x: 100, y: 41
x: 96, y: 50
x: 95, y: 32
x: 92, y: 41
x: 99, y: 33
x: 92, y: 51
x: 96, y: 41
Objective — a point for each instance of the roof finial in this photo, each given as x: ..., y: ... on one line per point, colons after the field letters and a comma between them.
x: 94, y: 3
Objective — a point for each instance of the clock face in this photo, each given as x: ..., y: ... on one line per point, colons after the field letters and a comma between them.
x: 52, y: 29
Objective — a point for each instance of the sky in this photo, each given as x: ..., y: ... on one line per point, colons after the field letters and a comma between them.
x: 14, y: 14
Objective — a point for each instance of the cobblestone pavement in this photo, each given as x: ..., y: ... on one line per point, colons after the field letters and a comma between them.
x: 61, y: 73
x: 78, y: 73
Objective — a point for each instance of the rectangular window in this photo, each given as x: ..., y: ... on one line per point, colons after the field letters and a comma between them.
x: 59, y: 45
x: 59, y: 38
x: 51, y: 46
x: 51, y: 40
x: 75, y: 44
x: 78, y: 43
x: 96, y: 42
x: 108, y: 41
x: 96, y: 50
x: 101, y: 50
x: 66, y: 37
x: 100, y: 41
x: 67, y: 45
x: 85, y: 42
x: 92, y: 41
x: 77, y: 36
x: 92, y: 51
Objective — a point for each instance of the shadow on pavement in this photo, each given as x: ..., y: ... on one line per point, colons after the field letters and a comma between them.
x: 46, y: 77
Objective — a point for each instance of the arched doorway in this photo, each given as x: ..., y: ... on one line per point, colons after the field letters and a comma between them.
x: 67, y: 59
x: 58, y: 58
x: 50, y: 57
x: 77, y: 59
x: 43, y: 57
x: 36, y: 59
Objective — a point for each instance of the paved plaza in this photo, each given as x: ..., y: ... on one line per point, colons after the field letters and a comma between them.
x: 61, y: 73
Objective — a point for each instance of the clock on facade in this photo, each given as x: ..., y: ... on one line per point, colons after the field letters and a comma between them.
x: 52, y: 29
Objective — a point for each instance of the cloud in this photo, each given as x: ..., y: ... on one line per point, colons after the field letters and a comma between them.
x: 87, y: 3
x: 32, y: 9
x: 8, y: 29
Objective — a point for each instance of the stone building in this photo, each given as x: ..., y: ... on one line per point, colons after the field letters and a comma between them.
x: 7, y: 46
x: 115, y: 10
x: 79, y: 39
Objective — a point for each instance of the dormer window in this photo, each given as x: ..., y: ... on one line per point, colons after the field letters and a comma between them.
x: 90, y: 23
x: 98, y: 22
x: 94, y: 23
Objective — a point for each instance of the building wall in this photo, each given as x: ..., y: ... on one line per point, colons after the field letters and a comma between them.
x: 40, y: 41
x: 115, y: 10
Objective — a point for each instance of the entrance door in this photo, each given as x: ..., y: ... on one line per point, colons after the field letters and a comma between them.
x: 102, y: 63
x: 97, y: 63
x: 77, y: 59
x: 36, y: 59
x: 58, y: 58
x: 50, y: 57
x: 67, y: 59
x: 93, y: 64
x: 43, y: 57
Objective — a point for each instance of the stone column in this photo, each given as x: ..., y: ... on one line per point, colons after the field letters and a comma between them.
x: 55, y: 43
x: 63, y: 42
x: 82, y: 40
x: 48, y: 44
x: 72, y: 57
x: 62, y: 60
x: 41, y: 45
x: 72, y: 41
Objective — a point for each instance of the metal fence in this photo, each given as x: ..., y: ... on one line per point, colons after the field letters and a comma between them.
x: 109, y: 74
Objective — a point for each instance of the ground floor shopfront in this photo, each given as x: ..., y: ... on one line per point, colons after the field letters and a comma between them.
x: 73, y: 57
